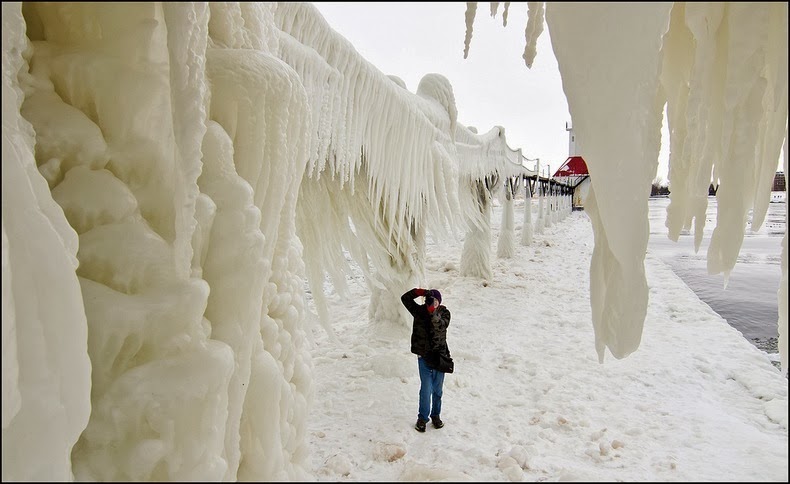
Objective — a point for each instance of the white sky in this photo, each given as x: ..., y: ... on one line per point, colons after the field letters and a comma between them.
x: 695, y: 402
x: 492, y: 86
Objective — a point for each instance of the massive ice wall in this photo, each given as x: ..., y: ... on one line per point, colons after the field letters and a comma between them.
x: 173, y: 141
x: 46, y: 370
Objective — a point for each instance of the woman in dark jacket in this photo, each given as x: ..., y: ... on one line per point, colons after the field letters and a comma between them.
x: 429, y: 343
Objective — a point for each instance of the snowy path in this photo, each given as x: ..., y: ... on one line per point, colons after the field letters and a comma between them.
x: 529, y: 400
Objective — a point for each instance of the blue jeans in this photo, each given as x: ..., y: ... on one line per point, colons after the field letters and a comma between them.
x: 431, y: 382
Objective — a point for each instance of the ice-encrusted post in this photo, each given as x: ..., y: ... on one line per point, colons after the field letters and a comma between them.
x: 476, y: 253
x: 526, y: 228
x: 539, y: 188
x: 506, y: 242
x: 548, y: 217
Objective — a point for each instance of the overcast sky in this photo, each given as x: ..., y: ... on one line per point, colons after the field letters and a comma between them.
x: 492, y: 87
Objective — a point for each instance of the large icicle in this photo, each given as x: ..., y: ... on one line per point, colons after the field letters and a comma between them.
x: 532, y: 32
x: 725, y: 74
x: 471, y: 9
x: 753, y: 117
x: 610, y: 67
x: 691, y: 160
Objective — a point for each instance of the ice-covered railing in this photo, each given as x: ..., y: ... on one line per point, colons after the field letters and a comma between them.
x: 384, y: 165
x: 513, y: 156
x: 721, y: 70
x: 483, y: 174
x: 487, y: 153
x: 508, y: 188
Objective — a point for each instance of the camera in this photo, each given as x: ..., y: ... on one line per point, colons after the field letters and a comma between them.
x: 429, y: 300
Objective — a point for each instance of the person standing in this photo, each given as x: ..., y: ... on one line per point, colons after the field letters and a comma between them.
x: 428, y: 342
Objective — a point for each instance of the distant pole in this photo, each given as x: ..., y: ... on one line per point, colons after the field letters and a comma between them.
x: 547, y: 221
x: 527, y: 228
x: 539, y: 190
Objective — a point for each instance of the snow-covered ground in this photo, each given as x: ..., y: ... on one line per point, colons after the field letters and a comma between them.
x: 529, y: 400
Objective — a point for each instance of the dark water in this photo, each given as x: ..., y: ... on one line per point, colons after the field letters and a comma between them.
x: 749, y: 302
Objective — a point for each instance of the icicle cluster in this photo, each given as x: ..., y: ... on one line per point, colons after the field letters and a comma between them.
x: 721, y: 70
x: 386, y: 166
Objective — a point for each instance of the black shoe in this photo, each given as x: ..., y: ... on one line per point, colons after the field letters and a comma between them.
x: 437, y: 422
x: 420, y: 425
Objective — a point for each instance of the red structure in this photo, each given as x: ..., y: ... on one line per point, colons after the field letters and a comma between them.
x: 574, y: 170
x: 574, y: 165
x: 574, y: 174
